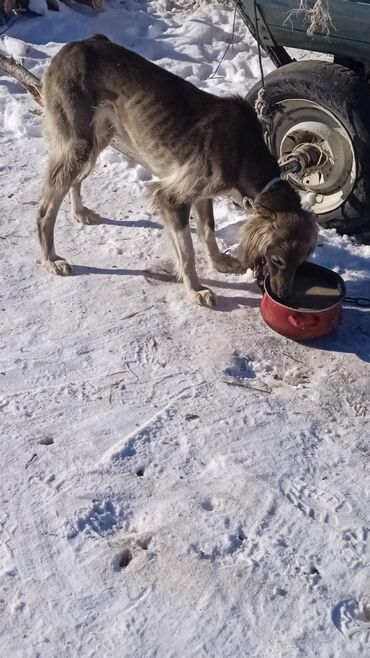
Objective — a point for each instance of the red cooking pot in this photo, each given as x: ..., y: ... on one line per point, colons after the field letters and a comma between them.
x: 319, y: 315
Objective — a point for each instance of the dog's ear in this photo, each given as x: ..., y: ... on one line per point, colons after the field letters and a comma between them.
x: 255, y: 237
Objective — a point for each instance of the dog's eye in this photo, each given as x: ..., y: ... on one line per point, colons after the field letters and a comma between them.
x: 277, y: 261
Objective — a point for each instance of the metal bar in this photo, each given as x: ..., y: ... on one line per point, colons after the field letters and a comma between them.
x: 291, y: 166
x: 277, y: 53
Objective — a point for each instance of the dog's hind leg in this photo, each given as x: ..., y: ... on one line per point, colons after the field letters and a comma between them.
x: 203, y: 210
x: 63, y: 170
x: 102, y: 135
x: 79, y: 212
x: 176, y: 217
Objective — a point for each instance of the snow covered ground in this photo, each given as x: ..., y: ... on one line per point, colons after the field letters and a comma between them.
x: 148, y: 506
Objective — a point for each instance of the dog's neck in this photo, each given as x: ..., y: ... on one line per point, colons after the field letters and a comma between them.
x: 252, y: 184
x: 249, y: 201
x: 275, y: 195
x: 279, y: 197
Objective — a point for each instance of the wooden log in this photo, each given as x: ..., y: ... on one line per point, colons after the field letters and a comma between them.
x: 8, y: 6
x: 52, y: 5
x: 29, y: 81
x: 98, y: 5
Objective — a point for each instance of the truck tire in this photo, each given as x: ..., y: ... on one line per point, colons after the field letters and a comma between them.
x: 328, y: 104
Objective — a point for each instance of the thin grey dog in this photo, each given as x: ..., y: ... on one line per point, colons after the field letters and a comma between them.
x: 198, y: 145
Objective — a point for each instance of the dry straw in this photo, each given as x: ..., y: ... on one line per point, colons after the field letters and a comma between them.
x: 316, y: 15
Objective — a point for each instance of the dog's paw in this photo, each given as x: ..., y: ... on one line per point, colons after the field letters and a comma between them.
x: 57, y: 266
x: 203, y: 297
x: 226, y: 264
x: 87, y: 216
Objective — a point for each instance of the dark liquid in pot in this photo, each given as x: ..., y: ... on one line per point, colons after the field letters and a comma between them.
x: 313, y: 293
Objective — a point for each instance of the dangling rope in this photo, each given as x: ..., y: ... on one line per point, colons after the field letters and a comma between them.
x: 230, y: 43
x: 265, y: 110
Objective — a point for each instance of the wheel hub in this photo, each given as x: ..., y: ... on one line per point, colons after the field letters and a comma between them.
x: 315, y: 152
x: 305, y: 159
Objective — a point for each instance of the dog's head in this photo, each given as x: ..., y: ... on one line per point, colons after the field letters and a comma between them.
x: 276, y: 243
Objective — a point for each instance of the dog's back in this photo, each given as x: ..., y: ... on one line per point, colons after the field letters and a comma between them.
x: 94, y: 74
x: 94, y: 88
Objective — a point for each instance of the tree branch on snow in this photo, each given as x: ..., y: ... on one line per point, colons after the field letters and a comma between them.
x: 29, y: 81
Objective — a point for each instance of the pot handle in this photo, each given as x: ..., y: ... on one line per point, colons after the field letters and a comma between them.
x: 304, y: 322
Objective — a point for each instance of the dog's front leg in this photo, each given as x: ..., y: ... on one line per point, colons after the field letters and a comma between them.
x: 177, y: 223
x: 203, y: 210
